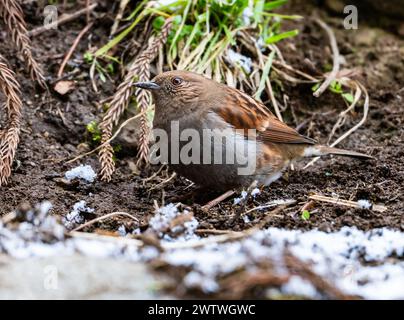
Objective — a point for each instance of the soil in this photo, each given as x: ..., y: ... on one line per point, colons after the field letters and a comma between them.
x: 54, y: 131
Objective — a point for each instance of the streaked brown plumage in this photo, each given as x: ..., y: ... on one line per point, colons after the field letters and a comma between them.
x: 200, y: 103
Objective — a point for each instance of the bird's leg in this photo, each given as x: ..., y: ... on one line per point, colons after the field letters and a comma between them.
x: 217, y: 200
x: 201, y: 194
x: 242, y: 203
x: 185, y: 196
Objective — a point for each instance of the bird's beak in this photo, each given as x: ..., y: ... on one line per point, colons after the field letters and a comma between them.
x: 150, y: 85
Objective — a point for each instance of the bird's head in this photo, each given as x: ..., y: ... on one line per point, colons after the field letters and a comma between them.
x: 178, y: 89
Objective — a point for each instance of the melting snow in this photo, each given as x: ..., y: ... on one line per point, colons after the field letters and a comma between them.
x: 165, y: 225
x: 298, y: 286
x: 244, y: 195
x: 255, y: 192
x: 246, y: 15
x: 75, y: 217
x: 81, y: 172
x: 364, y: 204
x: 246, y: 219
x: 197, y: 280
x: 369, y: 264
x: 122, y: 231
x: 238, y: 59
x: 336, y: 256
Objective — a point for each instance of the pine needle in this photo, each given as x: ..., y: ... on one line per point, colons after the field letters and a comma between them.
x: 11, y: 12
x: 10, y: 135
x: 139, y: 70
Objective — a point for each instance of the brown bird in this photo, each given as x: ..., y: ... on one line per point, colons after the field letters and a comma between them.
x: 192, y: 101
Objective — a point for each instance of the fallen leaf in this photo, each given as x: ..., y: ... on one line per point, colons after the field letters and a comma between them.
x: 63, y: 87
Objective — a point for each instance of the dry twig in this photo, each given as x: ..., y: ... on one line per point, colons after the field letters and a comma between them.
x: 217, y: 200
x: 63, y: 19
x: 335, y: 54
x: 88, y: 11
x: 119, y: 16
x: 105, y: 238
x: 123, y: 124
x: 72, y: 48
x: 303, y: 269
x: 348, y: 203
x: 102, y: 218
x: 270, y: 204
x: 360, y: 87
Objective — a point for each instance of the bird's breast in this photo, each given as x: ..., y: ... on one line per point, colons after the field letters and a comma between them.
x: 206, y: 140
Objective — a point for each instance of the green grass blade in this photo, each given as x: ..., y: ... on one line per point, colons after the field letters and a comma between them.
x: 278, y: 37
x: 177, y: 34
x: 112, y: 43
x: 265, y: 74
x: 271, y: 5
x: 136, y: 11
x: 283, y: 16
x: 258, y: 11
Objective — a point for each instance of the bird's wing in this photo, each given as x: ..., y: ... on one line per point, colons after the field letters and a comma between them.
x: 251, y: 114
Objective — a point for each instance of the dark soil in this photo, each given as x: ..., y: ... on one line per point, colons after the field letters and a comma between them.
x: 54, y: 131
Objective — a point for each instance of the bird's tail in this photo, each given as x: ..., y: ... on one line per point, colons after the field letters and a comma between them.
x: 318, y: 150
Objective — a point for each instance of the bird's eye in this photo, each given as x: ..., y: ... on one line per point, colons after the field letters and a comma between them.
x: 176, y: 81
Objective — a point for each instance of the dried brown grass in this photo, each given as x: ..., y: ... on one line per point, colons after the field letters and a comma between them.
x: 9, y: 136
x: 138, y: 71
x: 11, y: 12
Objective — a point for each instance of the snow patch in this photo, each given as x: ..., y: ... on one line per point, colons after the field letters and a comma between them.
x: 255, y: 192
x: 300, y: 287
x: 246, y: 15
x: 197, y: 280
x: 364, y: 204
x: 84, y: 172
x: 338, y: 257
x: 122, y: 231
x: 170, y: 224
x: 368, y: 264
x: 76, y: 217
x: 239, y: 60
x: 242, y: 197
x: 246, y: 219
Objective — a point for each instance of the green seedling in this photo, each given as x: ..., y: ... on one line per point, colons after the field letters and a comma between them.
x: 93, y: 129
x: 305, y: 215
x: 336, y: 87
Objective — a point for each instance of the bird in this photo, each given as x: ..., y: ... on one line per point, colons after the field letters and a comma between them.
x: 195, y: 102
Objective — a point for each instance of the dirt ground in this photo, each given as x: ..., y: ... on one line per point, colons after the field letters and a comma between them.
x: 54, y: 131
